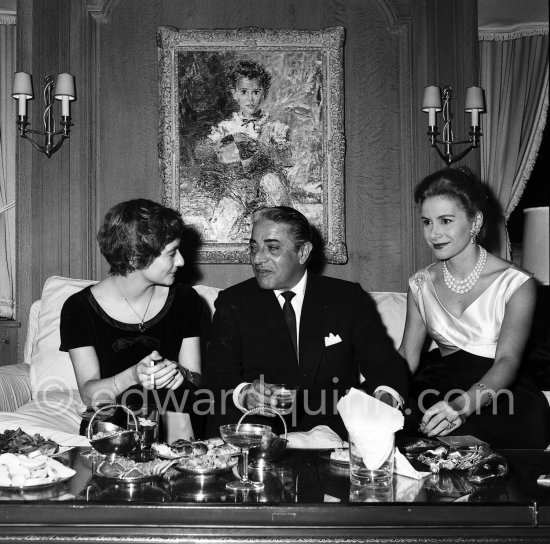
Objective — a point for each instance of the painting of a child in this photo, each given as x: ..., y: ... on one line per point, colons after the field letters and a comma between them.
x: 244, y: 157
x: 248, y: 136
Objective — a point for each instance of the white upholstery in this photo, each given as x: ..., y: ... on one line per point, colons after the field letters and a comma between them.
x: 31, y: 331
x: 54, y: 409
x: 55, y: 406
x: 392, y: 308
x: 52, y: 369
x: 53, y: 415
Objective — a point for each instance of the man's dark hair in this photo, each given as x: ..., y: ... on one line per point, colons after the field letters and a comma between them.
x: 135, y: 232
x: 251, y: 70
x: 298, y: 225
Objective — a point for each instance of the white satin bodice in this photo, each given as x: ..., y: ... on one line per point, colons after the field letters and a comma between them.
x: 477, y: 329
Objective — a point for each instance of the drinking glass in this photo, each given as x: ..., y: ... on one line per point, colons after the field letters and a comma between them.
x: 283, y: 398
x: 361, y: 475
x: 148, y: 420
x: 245, y: 436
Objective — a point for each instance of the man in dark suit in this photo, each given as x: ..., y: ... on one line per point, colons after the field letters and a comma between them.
x: 320, y: 338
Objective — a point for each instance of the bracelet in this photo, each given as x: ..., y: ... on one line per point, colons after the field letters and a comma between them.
x: 485, y: 389
x: 116, y: 386
x: 135, y: 374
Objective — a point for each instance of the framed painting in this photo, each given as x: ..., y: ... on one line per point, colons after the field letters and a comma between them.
x: 252, y: 117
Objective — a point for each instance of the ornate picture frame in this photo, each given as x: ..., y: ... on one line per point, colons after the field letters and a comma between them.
x: 223, y: 153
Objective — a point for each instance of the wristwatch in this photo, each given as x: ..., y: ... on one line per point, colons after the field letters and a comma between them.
x: 189, y: 376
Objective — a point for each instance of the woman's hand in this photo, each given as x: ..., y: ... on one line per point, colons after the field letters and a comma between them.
x: 155, y: 372
x: 441, y: 419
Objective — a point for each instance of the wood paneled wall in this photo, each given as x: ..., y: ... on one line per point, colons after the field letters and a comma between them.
x: 393, y: 48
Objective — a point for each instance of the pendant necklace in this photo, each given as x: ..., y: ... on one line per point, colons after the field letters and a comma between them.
x: 141, y: 325
x: 467, y: 284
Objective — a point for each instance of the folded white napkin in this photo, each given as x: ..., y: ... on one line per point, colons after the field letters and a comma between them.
x: 371, y: 425
x: 319, y: 437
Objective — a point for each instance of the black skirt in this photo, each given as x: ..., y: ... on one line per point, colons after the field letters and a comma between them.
x: 518, y: 418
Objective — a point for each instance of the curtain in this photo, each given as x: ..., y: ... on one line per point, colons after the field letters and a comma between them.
x: 7, y: 168
x: 514, y: 74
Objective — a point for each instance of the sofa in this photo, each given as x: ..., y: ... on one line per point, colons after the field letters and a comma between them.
x: 40, y: 394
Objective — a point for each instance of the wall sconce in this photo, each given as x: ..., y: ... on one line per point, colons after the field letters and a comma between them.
x: 475, y: 104
x: 63, y: 91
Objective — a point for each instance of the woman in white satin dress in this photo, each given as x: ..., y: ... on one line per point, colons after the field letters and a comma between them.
x: 478, y: 309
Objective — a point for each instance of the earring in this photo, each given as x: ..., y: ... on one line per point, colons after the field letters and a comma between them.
x: 473, y: 235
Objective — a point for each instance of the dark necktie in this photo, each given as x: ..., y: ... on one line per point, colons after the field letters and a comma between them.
x: 290, y: 318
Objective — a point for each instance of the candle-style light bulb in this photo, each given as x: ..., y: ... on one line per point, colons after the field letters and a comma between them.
x: 64, y: 91
x: 22, y: 91
x: 474, y: 103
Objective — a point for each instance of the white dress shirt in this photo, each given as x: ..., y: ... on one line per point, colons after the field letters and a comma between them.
x: 297, y: 302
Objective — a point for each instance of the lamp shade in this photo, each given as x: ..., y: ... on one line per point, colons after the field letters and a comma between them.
x: 535, y: 255
x: 64, y: 87
x: 432, y: 98
x: 475, y: 99
x: 22, y: 85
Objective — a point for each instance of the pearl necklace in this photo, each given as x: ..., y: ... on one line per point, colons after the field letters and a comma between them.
x: 467, y: 284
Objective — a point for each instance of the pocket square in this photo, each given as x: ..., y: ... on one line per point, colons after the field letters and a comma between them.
x: 332, y: 339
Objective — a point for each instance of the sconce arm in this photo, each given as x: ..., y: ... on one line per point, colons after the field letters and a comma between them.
x: 48, y: 149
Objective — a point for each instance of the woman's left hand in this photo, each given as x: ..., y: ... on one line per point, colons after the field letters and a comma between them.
x: 440, y: 420
x: 172, y: 379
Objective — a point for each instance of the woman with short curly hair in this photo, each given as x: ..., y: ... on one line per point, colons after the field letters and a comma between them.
x: 136, y: 334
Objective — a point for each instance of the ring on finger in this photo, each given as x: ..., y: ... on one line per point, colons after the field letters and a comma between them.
x: 450, y: 424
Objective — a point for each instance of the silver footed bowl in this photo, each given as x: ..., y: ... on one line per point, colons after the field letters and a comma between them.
x: 272, y: 446
x: 120, y: 442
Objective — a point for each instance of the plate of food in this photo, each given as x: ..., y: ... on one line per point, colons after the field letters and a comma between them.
x: 19, y: 442
x: 25, y: 472
x: 338, y: 456
x: 218, y: 457
x: 179, y: 448
x: 128, y: 471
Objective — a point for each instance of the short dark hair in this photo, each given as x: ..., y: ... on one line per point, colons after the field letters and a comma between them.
x: 298, y: 225
x: 461, y: 185
x: 135, y: 232
x: 251, y: 70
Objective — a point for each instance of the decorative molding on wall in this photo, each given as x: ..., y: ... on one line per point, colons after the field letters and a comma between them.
x: 402, y: 29
x: 101, y: 10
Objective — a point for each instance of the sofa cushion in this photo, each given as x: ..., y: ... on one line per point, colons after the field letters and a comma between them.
x: 392, y: 308
x: 51, y: 369
x: 32, y: 329
x: 53, y: 414
x: 15, y: 387
x: 208, y: 294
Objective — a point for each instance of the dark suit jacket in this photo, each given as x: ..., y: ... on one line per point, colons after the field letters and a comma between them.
x: 250, y: 338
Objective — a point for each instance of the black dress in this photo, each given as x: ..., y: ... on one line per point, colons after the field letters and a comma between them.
x: 519, y: 417
x: 119, y: 345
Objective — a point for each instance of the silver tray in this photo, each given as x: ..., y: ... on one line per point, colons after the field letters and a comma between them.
x: 126, y: 481
x: 326, y: 456
x: 36, y: 486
